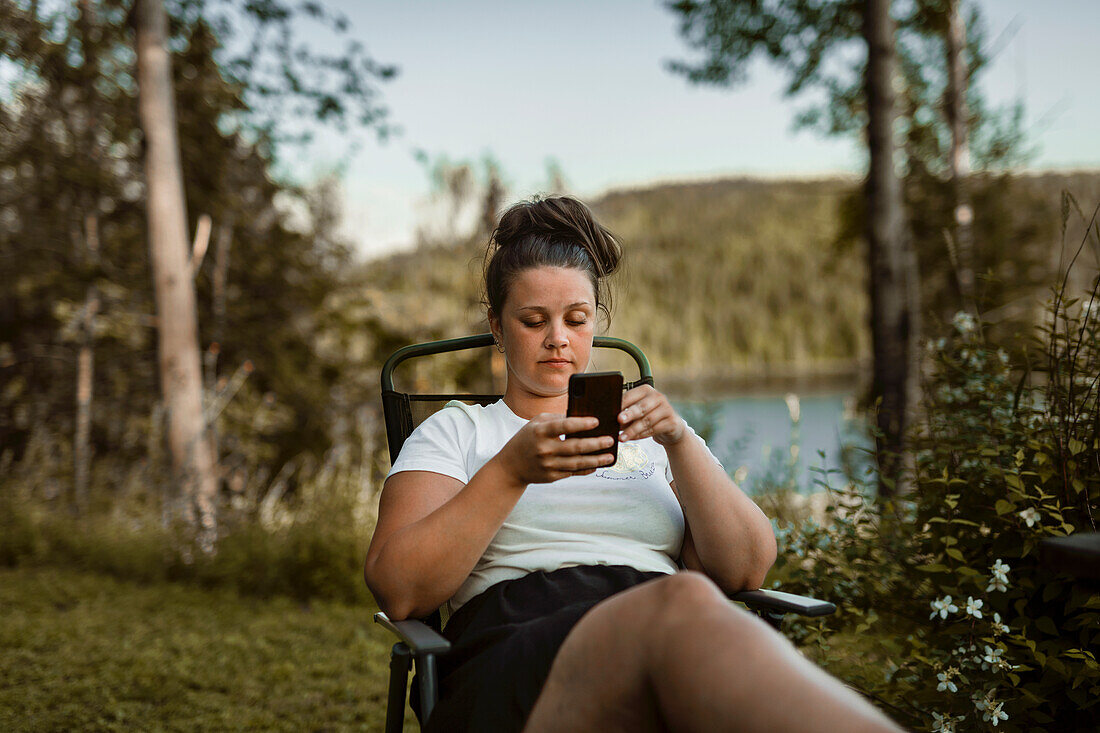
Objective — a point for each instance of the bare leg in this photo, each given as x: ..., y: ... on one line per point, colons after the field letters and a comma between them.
x: 675, y: 654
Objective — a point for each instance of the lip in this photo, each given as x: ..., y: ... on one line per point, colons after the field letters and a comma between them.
x: 557, y: 363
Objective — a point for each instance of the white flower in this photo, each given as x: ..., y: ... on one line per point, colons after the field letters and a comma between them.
x: 943, y: 606
x: 972, y: 607
x: 992, y: 657
x: 995, y: 713
x: 1031, y: 516
x: 964, y: 322
x: 945, y: 681
x: 944, y: 723
x: 998, y: 627
x: 999, y: 581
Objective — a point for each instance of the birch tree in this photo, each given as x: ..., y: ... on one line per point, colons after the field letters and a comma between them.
x: 957, y: 112
x: 177, y: 326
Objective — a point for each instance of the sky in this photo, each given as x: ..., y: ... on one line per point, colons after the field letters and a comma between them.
x: 585, y: 83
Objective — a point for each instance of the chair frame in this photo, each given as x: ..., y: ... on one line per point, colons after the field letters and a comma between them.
x: 420, y: 643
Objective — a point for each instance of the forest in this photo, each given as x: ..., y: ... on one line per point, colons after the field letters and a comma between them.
x: 214, y: 578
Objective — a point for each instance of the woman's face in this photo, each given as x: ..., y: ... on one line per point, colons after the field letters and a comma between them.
x: 546, y: 326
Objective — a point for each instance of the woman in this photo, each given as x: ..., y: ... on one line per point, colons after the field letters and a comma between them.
x: 560, y: 569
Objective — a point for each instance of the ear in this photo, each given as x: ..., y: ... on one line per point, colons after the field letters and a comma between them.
x: 494, y: 325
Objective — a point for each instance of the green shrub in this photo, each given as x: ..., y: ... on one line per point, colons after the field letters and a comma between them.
x: 311, y: 544
x: 948, y: 617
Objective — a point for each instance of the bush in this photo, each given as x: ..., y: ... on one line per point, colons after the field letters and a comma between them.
x: 311, y: 544
x: 948, y: 617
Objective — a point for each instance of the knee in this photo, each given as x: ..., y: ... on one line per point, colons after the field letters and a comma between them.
x: 687, y: 590
x: 688, y: 599
x: 687, y: 595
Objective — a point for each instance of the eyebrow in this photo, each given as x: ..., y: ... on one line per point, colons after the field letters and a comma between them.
x: 542, y: 309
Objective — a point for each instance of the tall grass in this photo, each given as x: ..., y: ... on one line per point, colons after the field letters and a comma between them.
x: 308, y: 540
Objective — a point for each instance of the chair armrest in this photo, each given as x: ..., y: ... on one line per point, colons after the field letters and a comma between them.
x: 779, y: 602
x: 417, y: 635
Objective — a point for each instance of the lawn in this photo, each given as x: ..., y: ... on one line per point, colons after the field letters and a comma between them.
x: 80, y: 651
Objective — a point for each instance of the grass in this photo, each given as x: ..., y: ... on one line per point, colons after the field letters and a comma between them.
x: 82, y: 651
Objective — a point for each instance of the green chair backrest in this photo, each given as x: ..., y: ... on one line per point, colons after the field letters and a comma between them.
x: 403, y: 411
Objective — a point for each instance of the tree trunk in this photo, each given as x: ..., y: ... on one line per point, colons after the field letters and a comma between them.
x: 89, y: 241
x: 177, y: 331
x: 85, y: 372
x: 221, y: 275
x: 894, y: 298
x: 220, y: 279
x: 958, y: 119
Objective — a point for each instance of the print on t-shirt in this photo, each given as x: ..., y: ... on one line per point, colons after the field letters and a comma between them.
x: 633, y: 463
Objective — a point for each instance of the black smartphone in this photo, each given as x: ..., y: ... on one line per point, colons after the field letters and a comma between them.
x: 598, y: 394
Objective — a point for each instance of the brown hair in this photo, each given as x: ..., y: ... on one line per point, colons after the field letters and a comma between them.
x: 558, y: 231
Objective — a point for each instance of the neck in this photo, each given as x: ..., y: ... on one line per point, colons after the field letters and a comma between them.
x: 528, y: 406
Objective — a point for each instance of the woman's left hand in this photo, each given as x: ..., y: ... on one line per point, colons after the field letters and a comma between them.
x: 647, y: 413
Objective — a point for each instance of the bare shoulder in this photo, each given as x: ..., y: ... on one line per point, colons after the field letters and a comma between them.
x: 416, y: 493
x: 409, y: 496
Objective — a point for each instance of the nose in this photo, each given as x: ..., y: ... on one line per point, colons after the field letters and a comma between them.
x: 556, y: 336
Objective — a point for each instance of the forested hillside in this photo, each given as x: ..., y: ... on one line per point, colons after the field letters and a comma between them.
x: 748, y: 278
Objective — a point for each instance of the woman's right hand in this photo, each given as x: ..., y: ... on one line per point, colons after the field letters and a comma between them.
x: 538, y: 455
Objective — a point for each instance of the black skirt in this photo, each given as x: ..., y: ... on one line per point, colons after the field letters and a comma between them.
x: 505, y: 639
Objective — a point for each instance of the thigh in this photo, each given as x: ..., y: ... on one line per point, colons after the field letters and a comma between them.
x: 505, y: 641
x: 601, y: 678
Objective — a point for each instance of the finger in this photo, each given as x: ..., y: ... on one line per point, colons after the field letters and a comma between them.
x: 576, y: 464
x: 566, y: 425
x: 575, y: 446
x: 639, y: 409
x: 649, y: 424
x: 633, y: 395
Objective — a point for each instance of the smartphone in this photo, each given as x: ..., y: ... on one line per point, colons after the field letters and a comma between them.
x: 597, y: 394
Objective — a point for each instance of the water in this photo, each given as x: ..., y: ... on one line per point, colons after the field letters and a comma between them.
x: 752, y: 436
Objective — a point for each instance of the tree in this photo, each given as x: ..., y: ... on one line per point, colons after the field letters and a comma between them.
x: 957, y: 113
x: 894, y: 290
x: 177, y: 326
x: 814, y: 43
x: 53, y: 181
x: 85, y: 364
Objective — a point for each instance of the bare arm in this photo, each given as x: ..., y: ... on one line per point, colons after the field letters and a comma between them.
x: 731, y: 538
x: 726, y: 535
x: 432, y: 529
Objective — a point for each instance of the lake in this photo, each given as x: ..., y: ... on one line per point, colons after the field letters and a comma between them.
x: 752, y: 435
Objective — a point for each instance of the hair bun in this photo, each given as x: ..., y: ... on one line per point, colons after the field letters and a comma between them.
x: 557, y: 231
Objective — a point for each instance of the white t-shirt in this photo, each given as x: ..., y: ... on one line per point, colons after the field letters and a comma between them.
x: 625, y: 514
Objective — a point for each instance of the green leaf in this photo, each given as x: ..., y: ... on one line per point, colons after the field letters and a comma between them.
x: 933, y: 568
x: 1003, y: 506
x: 1047, y: 626
x: 953, y: 552
x: 965, y: 522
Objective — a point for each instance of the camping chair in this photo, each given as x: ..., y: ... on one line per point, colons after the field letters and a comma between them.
x: 421, y: 640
